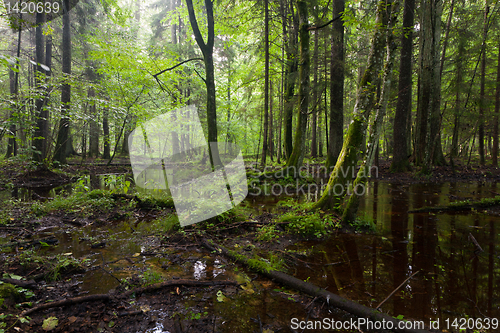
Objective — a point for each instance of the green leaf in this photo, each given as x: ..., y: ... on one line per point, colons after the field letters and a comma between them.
x: 50, y: 323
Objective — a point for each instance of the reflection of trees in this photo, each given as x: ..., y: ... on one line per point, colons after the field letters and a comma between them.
x: 423, y: 258
x: 351, y: 249
x: 399, y: 231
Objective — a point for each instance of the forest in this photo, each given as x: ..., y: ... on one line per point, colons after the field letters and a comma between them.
x: 249, y: 165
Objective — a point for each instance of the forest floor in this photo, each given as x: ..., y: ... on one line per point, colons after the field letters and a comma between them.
x: 191, y: 307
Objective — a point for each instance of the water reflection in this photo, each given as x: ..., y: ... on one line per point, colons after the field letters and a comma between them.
x: 452, y: 281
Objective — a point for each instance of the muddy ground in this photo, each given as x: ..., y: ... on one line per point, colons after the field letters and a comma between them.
x: 163, y: 309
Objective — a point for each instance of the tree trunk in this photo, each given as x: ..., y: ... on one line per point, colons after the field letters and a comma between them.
x: 266, y: 83
x: 337, y: 77
x: 482, y: 101
x: 403, y: 108
x: 297, y: 156
x: 316, y: 95
x: 106, y: 154
x: 351, y: 208
x: 494, y: 150
x: 63, y: 133
x: 365, y: 96
x: 428, y: 111
x: 41, y: 130
x: 14, y: 89
x: 93, y: 125
x: 458, y: 71
x: 207, y: 49
x: 290, y: 78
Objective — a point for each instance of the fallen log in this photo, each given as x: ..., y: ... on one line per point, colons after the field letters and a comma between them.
x: 68, y: 301
x: 331, y: 299
x: 137, y: 291
x: 30, y: 284
x: 179, y: 282
x: 460, y: 206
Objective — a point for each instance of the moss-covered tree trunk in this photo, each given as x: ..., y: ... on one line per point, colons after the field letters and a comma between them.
x: 335, y: 136
x: 352, y: 206
x: 348, y: 158
x: 299, y: 143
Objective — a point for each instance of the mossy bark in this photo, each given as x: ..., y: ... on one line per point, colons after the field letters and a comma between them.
x: 365, y: 96
x: 297, y: 155
x: 352, y: 206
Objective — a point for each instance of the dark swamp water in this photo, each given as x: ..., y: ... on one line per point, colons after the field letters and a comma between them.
x: 453, y: 281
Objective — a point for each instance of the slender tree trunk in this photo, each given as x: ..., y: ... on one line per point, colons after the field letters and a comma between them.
x: 94, y: 127
x: 316, y: 95
x: 106, y: 154
x: 297, y: 156
x: 403, y: 108
x: 63, y: 133
x: 351, y: 208
x: 40, y: 135
x: 337, y: 77
x: 207, y: 49
x: 271, y: 122
x: 290, y: 78
x: 14, y: 88
x: 458, y: 84
x: 482, y: 102
x: 365, y: 96
x: 266, y: 83
x: 494, y: 151
x: 445, y: 43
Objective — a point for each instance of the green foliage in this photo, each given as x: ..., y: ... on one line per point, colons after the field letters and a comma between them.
x: 150, y: 277
x: 364, y: 224
x: 309, y: 223
x: 268, y: 233
x: 83, y: 203
x: 165, y: 224
x: 55, y: 266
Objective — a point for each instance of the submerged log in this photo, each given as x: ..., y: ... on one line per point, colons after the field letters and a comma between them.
x: 315, y: 291
x: 460, y: 206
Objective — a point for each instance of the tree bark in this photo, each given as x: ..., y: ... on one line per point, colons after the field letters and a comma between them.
x: 297, y: 156
x: 482, y: 101
x: 352, y: 206
x: 458, y: 69
x: 14, y: 89
x: 316, y: 95
x: 494, y: 151
x: 336, y: 134
x: 41, y: 130
x: 290, y: 78
x: 428, y: 143
x: 266, y: 83
x: 400, y: 161
x: 207, y: 50
x: 106, y: 154
x: 365, y: 95
x: 63, y: 133
x: 93, y: 125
